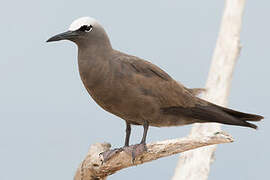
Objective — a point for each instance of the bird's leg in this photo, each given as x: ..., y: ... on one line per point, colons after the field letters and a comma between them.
x: 128, y: 131
x: 108, y: 154
x: 138, y: 149
x: 134, y: 150
x: 145, y: 129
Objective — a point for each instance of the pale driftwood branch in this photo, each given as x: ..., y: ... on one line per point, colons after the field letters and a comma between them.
x: 93, y: 168
x: 195, y: 165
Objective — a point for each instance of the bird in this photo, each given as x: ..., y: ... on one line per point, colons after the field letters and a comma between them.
x: 138, y: 91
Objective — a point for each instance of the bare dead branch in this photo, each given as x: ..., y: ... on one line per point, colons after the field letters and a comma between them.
x: 93, y: 168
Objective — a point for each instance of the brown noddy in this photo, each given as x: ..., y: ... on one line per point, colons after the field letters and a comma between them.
x: 138, y: 91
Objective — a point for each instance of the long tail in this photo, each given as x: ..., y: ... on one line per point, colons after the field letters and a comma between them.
x: 204, y: 112
x: 228, y: 116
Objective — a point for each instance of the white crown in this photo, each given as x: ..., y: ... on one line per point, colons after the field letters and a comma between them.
x: 75, y: 25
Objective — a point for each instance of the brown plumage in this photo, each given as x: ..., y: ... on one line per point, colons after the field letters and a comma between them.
x: 138, y: 91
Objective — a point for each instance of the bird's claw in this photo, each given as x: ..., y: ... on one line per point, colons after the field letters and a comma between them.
x: 107, y: 155
x: 135, y: 150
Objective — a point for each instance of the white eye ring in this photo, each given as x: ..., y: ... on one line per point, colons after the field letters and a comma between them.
x: 86, y: 28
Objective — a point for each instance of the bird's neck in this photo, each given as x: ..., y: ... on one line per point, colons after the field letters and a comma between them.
x: 93, y: 53
x: 96, y: 48
x: 93, y: 63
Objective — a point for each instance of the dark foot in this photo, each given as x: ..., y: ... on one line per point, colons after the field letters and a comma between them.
x: 110, y: 153
x: 135, y: 150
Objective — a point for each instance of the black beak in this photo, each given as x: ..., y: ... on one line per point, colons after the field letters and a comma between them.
x: 68, y: 35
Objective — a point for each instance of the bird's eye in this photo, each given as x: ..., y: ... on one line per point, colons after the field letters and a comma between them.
x: 86, y: 28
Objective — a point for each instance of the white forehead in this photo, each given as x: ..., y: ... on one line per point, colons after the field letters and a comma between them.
x: 75, y: 25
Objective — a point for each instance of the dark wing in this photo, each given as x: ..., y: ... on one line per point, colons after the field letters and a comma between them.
x: 153, y: 81
x: 143, y: 67
x: 173, y: 98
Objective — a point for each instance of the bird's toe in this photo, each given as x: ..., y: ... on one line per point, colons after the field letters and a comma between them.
x: 107, y: 155
x: 135, y: 150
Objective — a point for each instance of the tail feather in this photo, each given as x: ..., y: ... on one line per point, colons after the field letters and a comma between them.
x: 238, y: 118
x: 247, y: 124
x: 241, y: 115
x: 204, y: 112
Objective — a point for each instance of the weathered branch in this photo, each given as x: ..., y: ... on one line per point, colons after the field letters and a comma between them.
x: 93, y: 168
x: 195, y: 165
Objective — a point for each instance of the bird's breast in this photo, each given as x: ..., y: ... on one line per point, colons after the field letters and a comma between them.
x: 119, y: 93
x: 100, y: 84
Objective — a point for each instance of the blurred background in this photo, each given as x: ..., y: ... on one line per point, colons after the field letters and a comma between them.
x: 48, y: 121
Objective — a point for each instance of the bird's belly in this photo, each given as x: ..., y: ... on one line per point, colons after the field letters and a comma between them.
x: 135, y: 108
x: 126, y: 104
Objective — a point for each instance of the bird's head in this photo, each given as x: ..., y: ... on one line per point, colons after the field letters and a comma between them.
x: 85, y: 30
